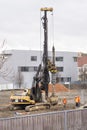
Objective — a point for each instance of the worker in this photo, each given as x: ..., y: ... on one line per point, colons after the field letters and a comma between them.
x: 77, y: 101
x: 64, y: 102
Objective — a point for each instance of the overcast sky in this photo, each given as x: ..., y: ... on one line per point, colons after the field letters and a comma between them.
x: 21, y: 28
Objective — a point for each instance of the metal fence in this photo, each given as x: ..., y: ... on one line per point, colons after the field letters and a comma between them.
x: 63, y: 120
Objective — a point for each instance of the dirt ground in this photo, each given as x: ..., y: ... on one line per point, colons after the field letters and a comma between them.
x: 5, y: 100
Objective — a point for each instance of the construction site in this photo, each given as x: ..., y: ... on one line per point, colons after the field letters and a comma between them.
x: 60, y: 90
x: 42, y: 97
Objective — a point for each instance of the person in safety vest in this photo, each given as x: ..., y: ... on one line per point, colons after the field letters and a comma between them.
x: 77, y: 101
x: 64, y: 102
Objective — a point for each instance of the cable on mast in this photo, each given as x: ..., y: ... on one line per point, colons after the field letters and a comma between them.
x: 53, y: 28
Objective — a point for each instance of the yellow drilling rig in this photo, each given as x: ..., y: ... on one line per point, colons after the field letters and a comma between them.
x: 32, y: 99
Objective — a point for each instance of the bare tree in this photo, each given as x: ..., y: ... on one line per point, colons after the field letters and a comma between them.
x: 19, y: 79
x: 3, y: 57
x: 83, y: 74
x: 6, y: 71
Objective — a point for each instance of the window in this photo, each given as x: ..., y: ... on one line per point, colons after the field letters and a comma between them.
x: 24, y: 69
x: 59, y: 58
x: 60, y: 69
x: 65, y: 79
x: 62, y: 79
x: 33, y: 58
x: 75, y: 59
x: 31, y: 69
x: 35, y: 68
x: 68, y: 79
x: 27, y: 68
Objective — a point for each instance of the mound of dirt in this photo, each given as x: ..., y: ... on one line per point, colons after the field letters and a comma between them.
x: 57, y: 88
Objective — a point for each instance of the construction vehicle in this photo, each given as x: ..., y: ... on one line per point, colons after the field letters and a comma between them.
x: 33, y: 98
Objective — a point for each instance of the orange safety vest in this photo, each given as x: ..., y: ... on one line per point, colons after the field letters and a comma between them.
x: 77, y: 99
x: 64, y: 101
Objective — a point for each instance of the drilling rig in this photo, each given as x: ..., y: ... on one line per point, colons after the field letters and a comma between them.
x: 33, y: 98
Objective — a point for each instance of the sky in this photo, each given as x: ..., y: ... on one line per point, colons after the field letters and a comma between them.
x: 21, y: 27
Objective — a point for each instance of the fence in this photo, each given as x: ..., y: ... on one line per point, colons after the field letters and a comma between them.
x: 63, y: 120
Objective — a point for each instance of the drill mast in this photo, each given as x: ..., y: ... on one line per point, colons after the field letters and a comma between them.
x: 45, y: 51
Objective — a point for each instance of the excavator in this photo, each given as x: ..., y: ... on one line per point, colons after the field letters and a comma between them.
x: 32, y: 99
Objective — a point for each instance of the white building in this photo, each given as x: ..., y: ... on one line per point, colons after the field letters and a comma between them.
x: 27, y: 61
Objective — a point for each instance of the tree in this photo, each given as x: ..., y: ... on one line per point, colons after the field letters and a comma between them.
x: 83, y: 73
x: 3, y: 57
x: 19, y: 79
x: 6, y: 71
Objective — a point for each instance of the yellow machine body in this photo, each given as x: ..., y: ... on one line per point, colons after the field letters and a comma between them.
x: 21, y: 99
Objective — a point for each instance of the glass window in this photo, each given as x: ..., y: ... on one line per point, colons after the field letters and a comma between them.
x: 59, y: 58
x: 27, y: 68
x: 68, y: 79
x: 75, y: 59
x: 35, y: 68
x: 31, y: 69
x: 60, y: 69
x: 33, y: 58
x: 24, y: 69
x: 62, y: 79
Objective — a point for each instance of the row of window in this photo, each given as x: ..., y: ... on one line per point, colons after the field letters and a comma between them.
x: 35, y: 68
x: 27, y: 68
x: 34, y: 58
x: 64, y: 79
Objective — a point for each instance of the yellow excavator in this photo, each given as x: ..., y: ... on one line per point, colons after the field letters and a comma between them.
x: 32, y: 99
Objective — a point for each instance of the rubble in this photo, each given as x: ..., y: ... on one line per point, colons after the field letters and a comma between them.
x: 58, y: 88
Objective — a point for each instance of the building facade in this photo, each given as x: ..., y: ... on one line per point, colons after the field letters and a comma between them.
x: 82, y: 66
x: 21, y: 66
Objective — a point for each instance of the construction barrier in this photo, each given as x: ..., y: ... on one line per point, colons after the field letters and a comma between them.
x: 59, y: 120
